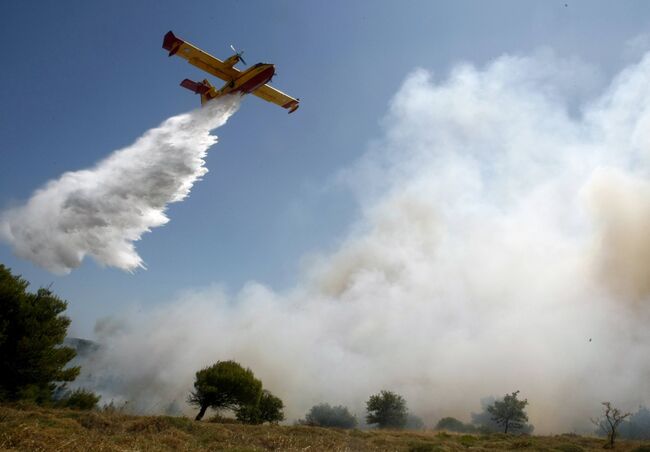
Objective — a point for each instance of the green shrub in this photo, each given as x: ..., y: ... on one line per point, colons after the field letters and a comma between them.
x: 324, y: 415
x: 79, y: 399
x: 454, y: 425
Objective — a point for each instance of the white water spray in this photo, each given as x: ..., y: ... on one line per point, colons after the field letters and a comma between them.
x: 102, y: 211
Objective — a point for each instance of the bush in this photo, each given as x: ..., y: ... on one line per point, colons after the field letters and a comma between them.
x: 79, y: 399
x: 324, y: 415
x: 454, y: 425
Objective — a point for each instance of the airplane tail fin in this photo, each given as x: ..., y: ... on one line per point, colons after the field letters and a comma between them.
x: 172, y: 43
x: 204, y: 88
x: 292, y: 105
x: 195, y: 87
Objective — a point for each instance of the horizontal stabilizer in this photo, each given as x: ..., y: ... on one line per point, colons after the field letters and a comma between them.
x: 196, y: 87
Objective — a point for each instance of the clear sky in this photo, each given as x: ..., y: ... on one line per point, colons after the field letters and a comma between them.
x: 80, y: 79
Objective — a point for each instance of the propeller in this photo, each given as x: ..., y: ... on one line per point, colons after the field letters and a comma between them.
x: 239, y: 54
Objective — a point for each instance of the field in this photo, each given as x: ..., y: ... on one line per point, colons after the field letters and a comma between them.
x: 36, y: 429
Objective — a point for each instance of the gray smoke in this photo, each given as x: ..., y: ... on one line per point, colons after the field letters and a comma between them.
x: 102, y: 211
x: 502, y: 244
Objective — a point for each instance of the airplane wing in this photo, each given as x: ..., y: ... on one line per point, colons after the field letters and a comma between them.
x: 199, y: 58
x: 270, y: 94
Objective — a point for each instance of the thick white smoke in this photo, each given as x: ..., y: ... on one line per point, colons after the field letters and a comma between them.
x: 503, y: 245
x: 101, y: 211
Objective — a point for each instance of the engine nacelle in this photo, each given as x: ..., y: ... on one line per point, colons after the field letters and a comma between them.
x: 231, y: 61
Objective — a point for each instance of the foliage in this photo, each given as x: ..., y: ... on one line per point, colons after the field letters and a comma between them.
x: 509, y: 412
x: 79, y: 399
x: 386, y: 409
x: 454, y: 425
x: 224, y: 385
x: 32, y: 330
x: 610, y: 422
x: 268, y: 409
x: 324, y: 415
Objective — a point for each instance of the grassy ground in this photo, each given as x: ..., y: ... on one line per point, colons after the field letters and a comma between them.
x: 31, y: 429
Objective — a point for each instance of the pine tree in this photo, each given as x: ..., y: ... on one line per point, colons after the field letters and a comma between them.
x: 32, y: 329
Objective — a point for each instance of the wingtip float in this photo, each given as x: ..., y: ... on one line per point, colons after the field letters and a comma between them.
x: 253, y: 80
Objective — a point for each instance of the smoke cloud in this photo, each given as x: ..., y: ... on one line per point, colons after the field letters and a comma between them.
x: 102, y: 211
x: 502, y: 244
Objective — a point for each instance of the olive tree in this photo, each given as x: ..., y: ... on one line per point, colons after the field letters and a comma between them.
x: 509, y: 412
x: 386, y: 409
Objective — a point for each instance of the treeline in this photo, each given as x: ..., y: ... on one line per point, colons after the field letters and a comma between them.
x: 35, y: 368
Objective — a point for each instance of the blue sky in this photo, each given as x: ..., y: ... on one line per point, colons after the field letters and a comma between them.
x: 81, y: 79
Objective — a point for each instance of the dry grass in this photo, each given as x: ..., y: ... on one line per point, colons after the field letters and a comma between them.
x: 40, y: 429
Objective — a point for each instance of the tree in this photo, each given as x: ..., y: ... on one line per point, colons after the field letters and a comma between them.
x: 32, y: 330
x: 387, y: 410
x: 268, y: 409
x: 509, y: 412
x: 610, y: 421
x: 324, y: 415
x: 224, y: 385
x: 483, y: 421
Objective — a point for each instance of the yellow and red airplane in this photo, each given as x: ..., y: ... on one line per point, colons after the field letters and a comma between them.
x: 253, y: 80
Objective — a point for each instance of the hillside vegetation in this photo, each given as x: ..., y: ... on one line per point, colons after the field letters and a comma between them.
x: 43, y: 429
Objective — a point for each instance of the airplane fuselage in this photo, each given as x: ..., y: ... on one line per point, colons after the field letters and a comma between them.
x: 247, y: 82
x: 252, y: 78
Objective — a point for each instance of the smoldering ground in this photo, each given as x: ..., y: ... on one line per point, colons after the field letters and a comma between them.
x: 101, y: 211
x: 503, y: 220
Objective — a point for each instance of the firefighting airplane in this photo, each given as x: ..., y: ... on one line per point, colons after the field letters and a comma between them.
x: 252, y: 80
